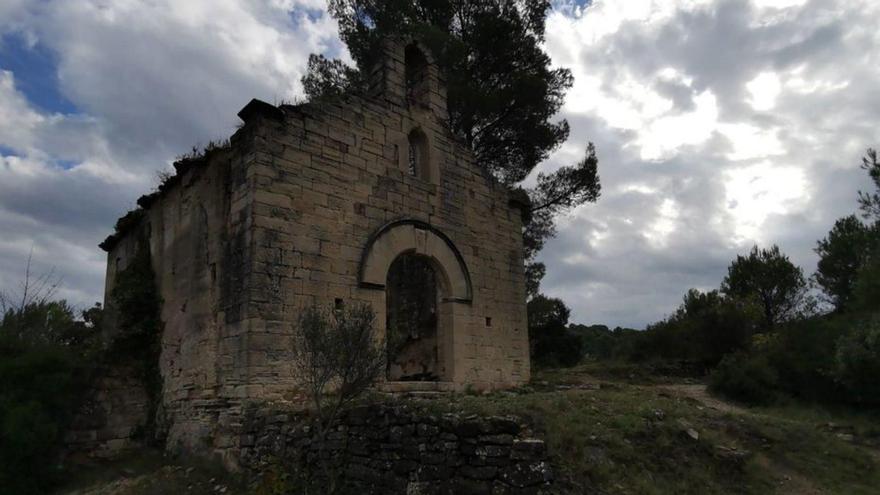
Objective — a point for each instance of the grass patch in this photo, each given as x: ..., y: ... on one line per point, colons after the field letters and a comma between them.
x: 150, y: 472
x: 627, y: 439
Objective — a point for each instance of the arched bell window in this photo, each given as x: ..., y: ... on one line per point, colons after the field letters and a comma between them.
x: 417, y: 87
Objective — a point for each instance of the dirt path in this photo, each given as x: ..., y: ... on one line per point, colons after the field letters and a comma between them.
x: 699, y: 393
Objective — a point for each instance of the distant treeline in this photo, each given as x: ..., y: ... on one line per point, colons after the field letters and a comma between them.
x: 768, y: 332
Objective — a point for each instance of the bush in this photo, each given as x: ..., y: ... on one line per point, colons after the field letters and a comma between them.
x: 559, y: 349
x: 857, y: 362
x: 866, y: 290
x: 749, y: 379
x: 550, y: 342
x: 705, y: 328
x: 39, y: 389
x: 337, y: 351
x: 803, y: 356
x: 339, y: 357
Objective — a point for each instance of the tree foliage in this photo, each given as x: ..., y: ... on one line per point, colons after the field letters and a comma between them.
x: 707, y: 326
x: 502, y: 92
x: 328, y: 77
x: 869, y: 202
x: 550, y: 341
x: 554, y: 194
x: 841, y: 255
x: 866, y: 288
x: 45, y: 352
x: 771, y: 279
x: 857, y: 362
x: 40, y: 385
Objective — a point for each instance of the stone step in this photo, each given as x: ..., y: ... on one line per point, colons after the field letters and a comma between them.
x: 425, y: 394
x: 408, y: 387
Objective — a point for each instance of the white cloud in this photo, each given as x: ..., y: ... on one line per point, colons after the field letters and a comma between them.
x: 718, y: 123
x: 754, y: 193
x: 149, y: 80
x: 664, y: 136
x: 764, y: 89
x: 751, y: 141
x: 664, y: 225
x: 779, y: 4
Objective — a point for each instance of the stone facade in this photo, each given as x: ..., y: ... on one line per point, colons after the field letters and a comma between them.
x: 400, y: 449
x: 311, y: 204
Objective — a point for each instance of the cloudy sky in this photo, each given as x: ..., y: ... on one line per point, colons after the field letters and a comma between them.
x: 719, y: 124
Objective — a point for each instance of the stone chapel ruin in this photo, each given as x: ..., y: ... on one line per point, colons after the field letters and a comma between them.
x: 360, y: 198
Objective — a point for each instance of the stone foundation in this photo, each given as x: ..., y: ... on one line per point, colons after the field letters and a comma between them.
x: 399, y: 449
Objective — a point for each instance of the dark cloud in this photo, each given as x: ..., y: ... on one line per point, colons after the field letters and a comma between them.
x: 674, y: 219
x: 146, y: 82
x: 693, y: 172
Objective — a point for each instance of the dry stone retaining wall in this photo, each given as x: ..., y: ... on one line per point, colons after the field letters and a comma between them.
x: 399, y: 449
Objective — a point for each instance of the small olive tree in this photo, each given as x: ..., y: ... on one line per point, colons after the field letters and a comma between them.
x: 338, y: 357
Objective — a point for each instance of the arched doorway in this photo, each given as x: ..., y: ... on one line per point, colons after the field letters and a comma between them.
x: 412, y: 318
x: 425, y: 294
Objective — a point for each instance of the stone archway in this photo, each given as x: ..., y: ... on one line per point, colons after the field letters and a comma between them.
x: 400, y: 236
x: 417, y: 243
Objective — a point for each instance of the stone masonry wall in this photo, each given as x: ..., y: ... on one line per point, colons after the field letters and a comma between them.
x: 245, y: 237
x: 328, y: 176
x: 197, y: 229
x: 390, y: 449
x: 111, y: 419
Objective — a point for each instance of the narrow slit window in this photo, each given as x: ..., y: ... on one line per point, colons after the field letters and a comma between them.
x: 413, y: 159
x: 417, y: 159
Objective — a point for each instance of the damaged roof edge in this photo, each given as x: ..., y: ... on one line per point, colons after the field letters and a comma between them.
x: 131, y: 219
x: 257, y: 107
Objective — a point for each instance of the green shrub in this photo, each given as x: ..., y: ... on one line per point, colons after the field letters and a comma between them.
x: 857, y: 362
x: 559, y: 349
x: 749, y: 379
x: 705, y: 328
x: 866, y: 290
x: 39, y: 390
x: 550, y: 341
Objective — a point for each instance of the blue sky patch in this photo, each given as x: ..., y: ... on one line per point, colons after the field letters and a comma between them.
x: 67, y: 164
x: 4, y: 151
x: 312, y: 14
x: 36, y: 73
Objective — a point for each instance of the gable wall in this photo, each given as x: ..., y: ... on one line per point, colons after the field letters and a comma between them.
x: 243, y: 242
x: 330, y: 175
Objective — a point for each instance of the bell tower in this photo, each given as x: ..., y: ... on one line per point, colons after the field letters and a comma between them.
x: 407, y: 76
